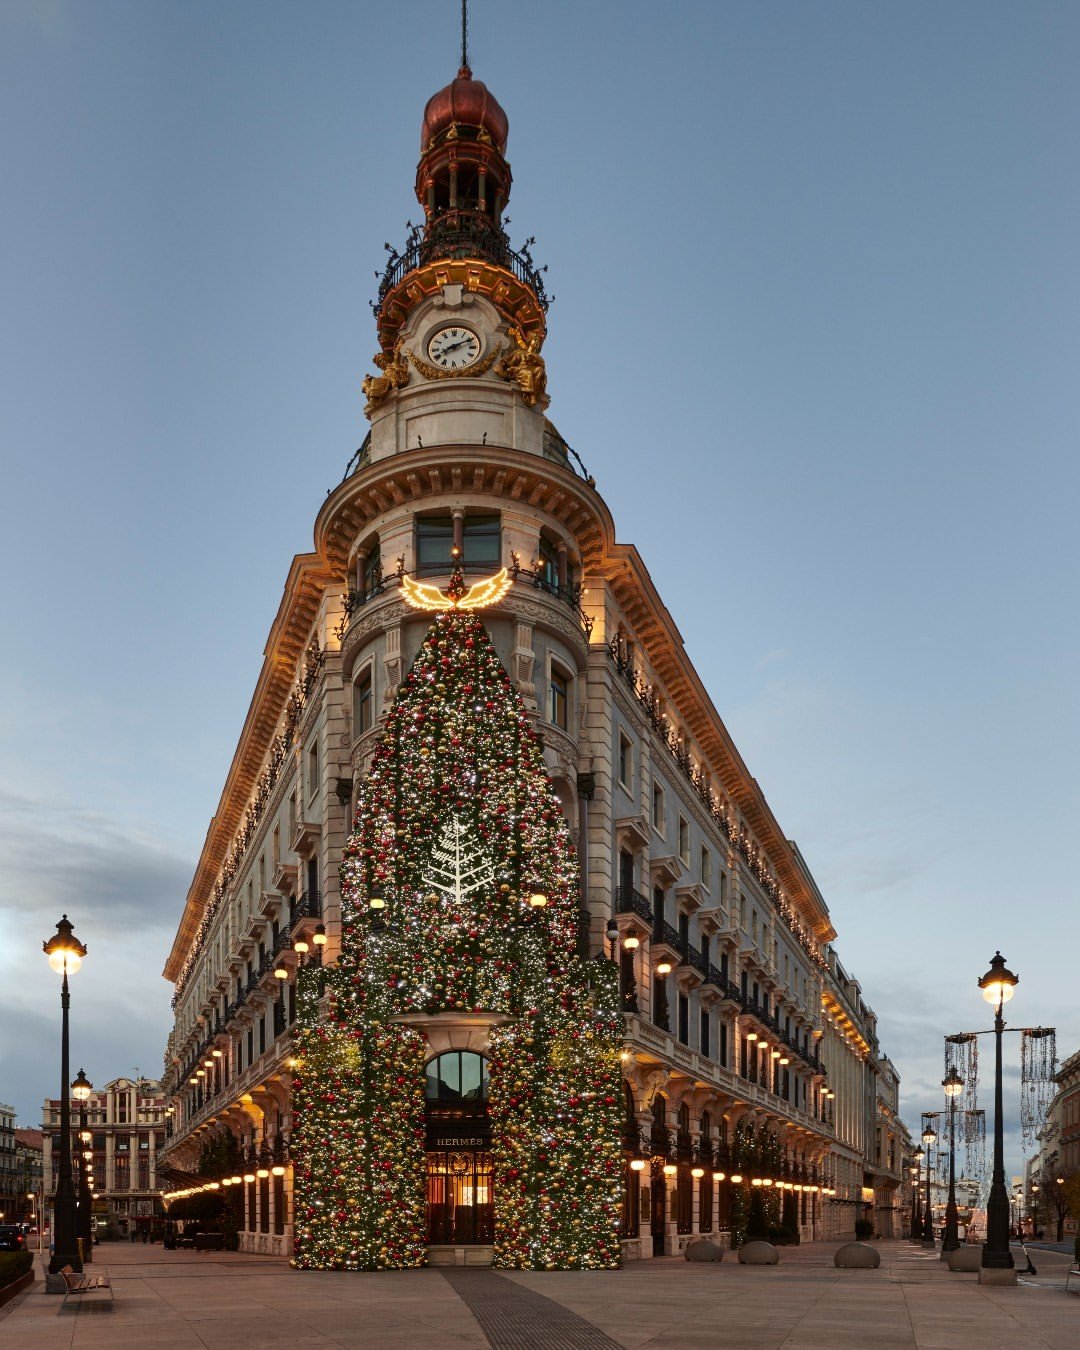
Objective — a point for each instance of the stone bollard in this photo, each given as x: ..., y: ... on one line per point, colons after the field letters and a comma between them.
x: 758, y: 1254
x: 965, y: 1258
x: 857, y: 1256
x: 704, y: 1250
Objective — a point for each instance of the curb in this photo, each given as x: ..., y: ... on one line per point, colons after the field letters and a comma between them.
x: 16, y: 1287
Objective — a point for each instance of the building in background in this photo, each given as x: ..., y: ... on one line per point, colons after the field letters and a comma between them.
x: 750, y: 1056
x: 1052, y: 1174
x: 30, y: 1167
x: 127, y: 1121
x: 12, y: 1202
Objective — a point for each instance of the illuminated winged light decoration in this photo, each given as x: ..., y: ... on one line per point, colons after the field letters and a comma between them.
x: 480, y: 595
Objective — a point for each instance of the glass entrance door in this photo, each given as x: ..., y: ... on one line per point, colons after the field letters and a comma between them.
x: 459, y: 1198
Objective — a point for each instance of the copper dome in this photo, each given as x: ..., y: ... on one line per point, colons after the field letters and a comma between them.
x: 467, y: 102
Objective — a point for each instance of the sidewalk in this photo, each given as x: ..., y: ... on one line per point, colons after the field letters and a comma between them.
x: 227, y: 1301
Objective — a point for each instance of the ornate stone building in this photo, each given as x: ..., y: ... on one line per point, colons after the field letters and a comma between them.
x: 127, y: 1121
x: 750, y: 1057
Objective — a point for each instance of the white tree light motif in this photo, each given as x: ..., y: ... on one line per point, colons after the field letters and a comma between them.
x: 458, y: 866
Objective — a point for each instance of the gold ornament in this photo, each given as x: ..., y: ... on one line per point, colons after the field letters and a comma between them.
x: 525, y: 367
x: 431, y: 372
x: 395, y: 375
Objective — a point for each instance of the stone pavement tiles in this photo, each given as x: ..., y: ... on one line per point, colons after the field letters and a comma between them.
x: 228, y: 1301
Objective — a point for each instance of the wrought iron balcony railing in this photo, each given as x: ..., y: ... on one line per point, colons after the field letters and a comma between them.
x: 461, y: 234
x: 630, y: 901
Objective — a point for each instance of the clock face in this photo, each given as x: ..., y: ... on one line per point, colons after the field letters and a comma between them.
x: 453, y: 348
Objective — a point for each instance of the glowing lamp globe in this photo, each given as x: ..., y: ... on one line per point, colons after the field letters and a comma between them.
x: 952, y: 1083
x: 64, y: 950
x: 999, y: 982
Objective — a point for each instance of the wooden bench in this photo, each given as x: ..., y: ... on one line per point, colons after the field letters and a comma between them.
x: 83, y: 1284
x: 1074, y: 1272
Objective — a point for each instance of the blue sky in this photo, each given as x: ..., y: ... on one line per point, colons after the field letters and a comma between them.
x: 816, y: 334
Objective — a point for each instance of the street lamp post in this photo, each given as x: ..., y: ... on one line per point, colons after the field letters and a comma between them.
x: 915, y: 1225
x: 65, y: 953
x: 916, y: 1195
x: 929, y: 1135
x: 953, y: 1085
x: 998, y: 985
x: 81, y: 1089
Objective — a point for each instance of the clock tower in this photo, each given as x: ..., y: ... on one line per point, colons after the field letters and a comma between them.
x: 460, y: 314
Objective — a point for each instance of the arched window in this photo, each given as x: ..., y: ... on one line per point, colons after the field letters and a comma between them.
x: 457, y: 1076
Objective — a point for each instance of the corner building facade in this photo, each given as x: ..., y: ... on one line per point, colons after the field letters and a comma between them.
x: 738, y: 1094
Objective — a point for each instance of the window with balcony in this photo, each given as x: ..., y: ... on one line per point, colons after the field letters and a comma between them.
x: 549, y: 565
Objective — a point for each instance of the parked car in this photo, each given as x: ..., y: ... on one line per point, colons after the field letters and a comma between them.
x: 12, y: 1238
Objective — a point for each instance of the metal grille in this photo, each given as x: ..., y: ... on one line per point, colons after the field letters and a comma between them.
x: 515, y: 1318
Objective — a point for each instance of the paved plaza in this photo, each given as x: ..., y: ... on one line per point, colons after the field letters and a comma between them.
x: 225, y: 1301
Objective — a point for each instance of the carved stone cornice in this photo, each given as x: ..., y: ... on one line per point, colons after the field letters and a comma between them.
x: 413, y: 478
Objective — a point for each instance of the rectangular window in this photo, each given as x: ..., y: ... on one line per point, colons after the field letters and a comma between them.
x: 371, y: 572
x: 684, y: 1019
x: 706, y: 868
x: 722, y: 1047
x: 684, y: 840
x: 626, y: 761
x: 434, y: 539
x: 703, y: 1034
x: 313, y: 770
x: 363, y: 711
x: 480, y: 543
x: 658, y: 807
x: 560, y: 699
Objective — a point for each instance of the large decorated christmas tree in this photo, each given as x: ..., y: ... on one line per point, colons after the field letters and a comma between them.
x: 460, y: 894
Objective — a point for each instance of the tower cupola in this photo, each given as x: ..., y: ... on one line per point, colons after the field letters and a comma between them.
x: 463, y: 179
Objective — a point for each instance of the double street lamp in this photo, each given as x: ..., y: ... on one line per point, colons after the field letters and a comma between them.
x: 998, y: 985
x: 81, y: 1089
x: 929, y: 1137
x: 953, y: 1085
x: 916, y: 1203
x: 65, y: 953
